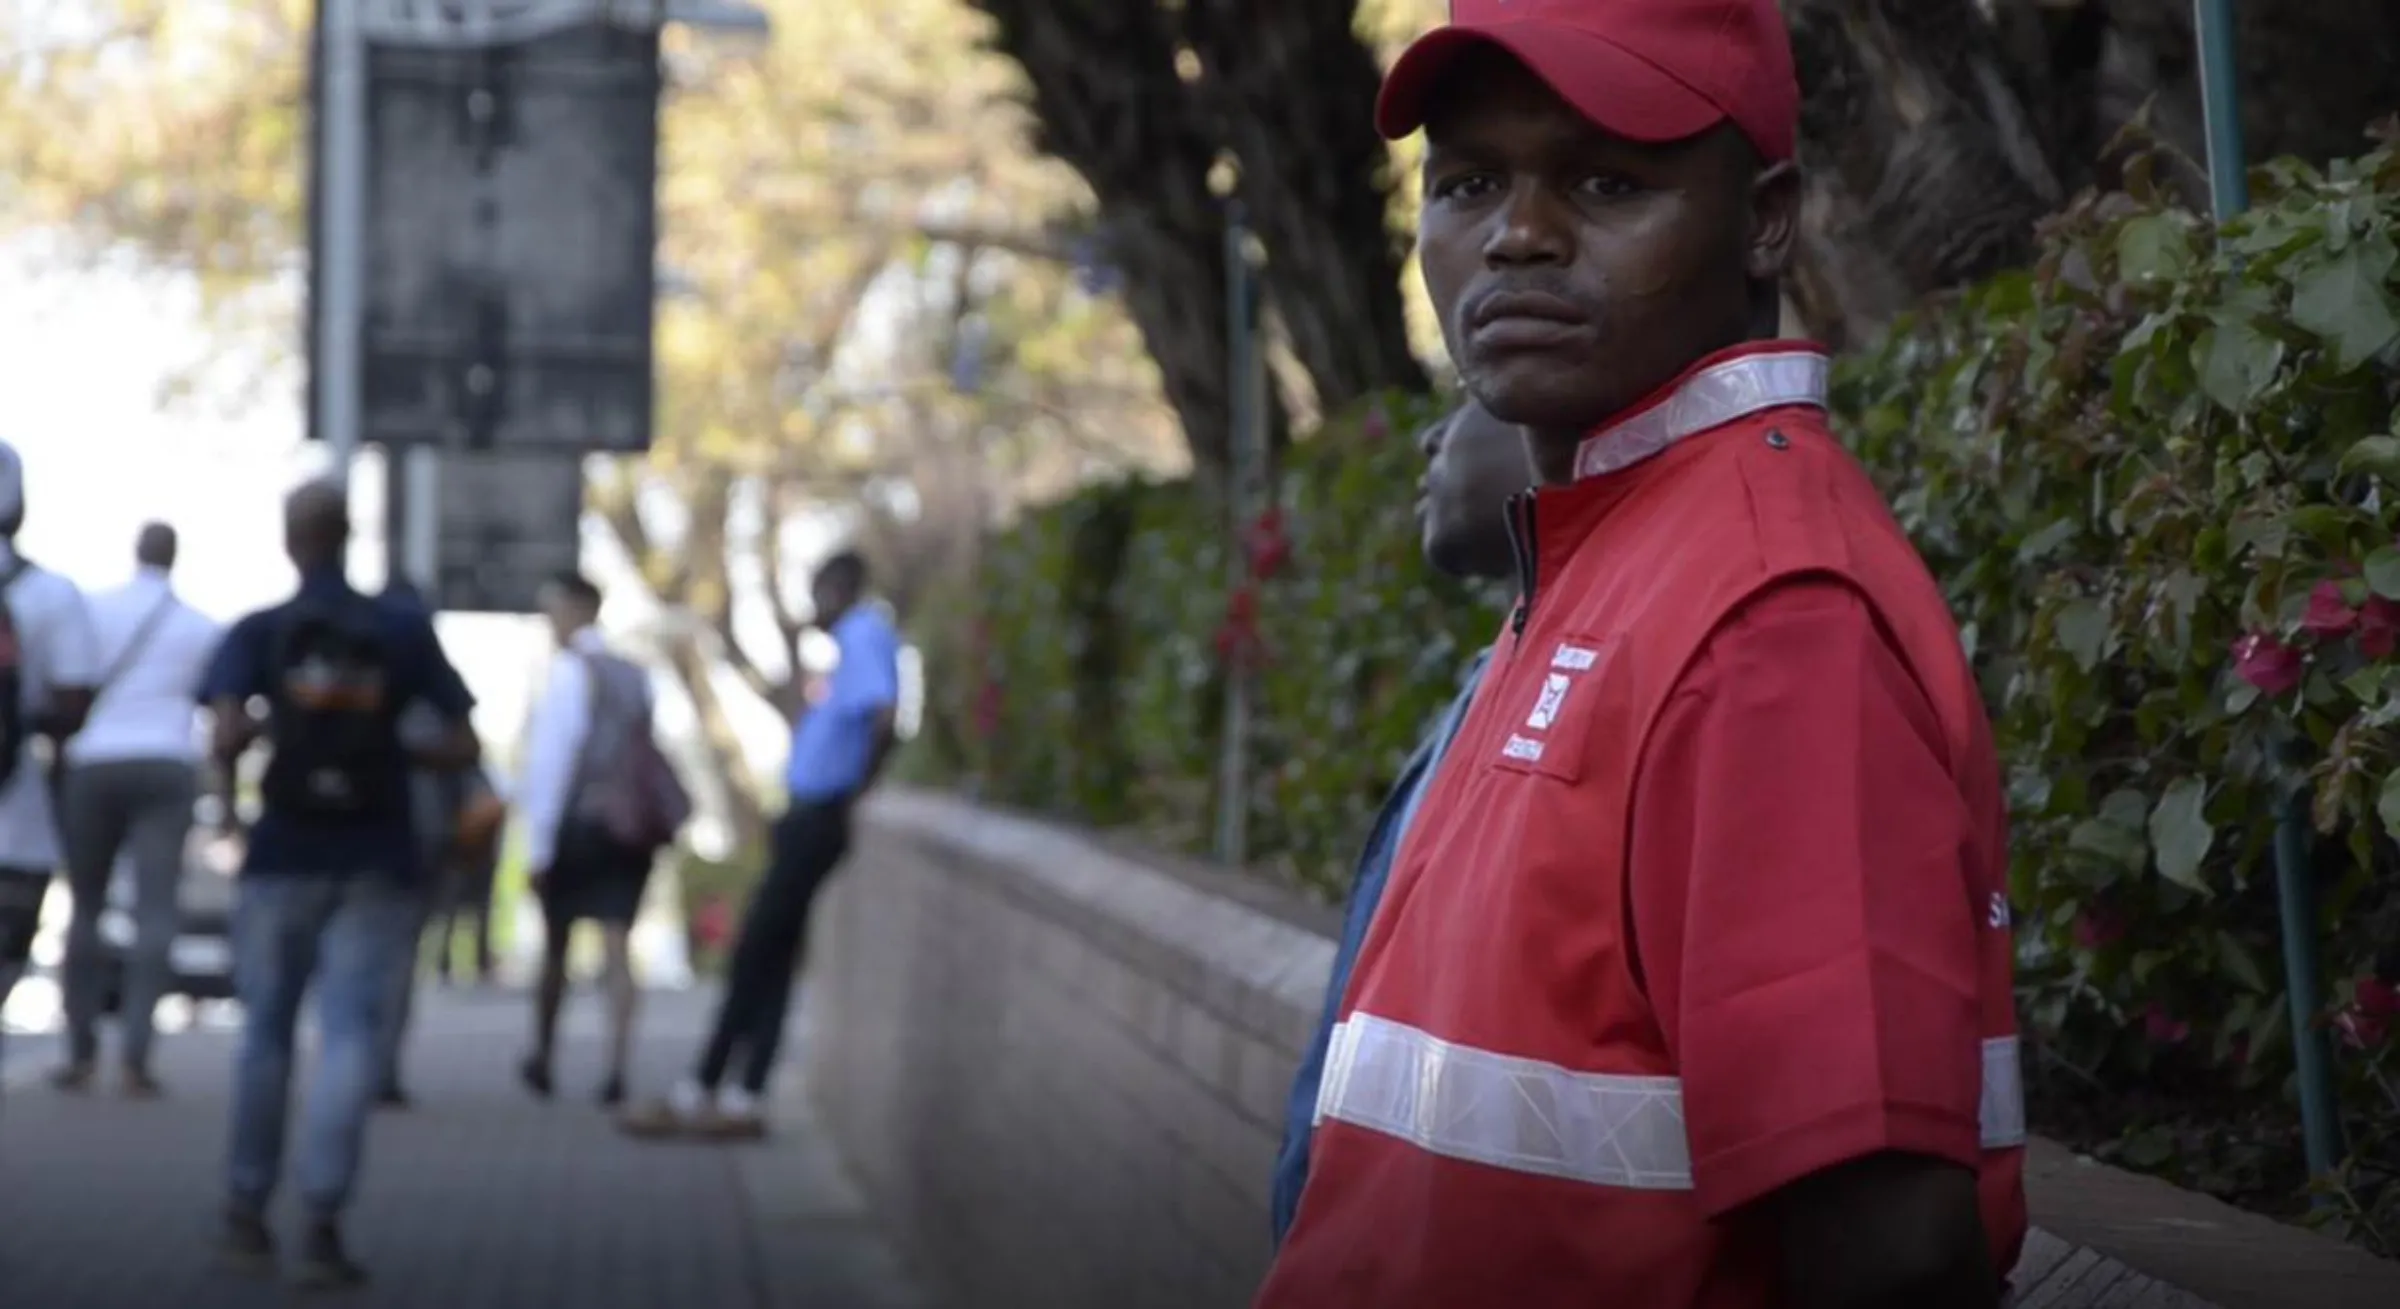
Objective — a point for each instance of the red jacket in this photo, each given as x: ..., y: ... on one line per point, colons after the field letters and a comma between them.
x: 1709, y: 894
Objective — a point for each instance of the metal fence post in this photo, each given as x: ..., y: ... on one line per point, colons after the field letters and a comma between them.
x: 1245, y: 407
x: 2295, y: 879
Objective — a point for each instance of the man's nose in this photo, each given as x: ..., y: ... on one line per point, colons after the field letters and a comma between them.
x: 1429, y: 441
x: 1533, y: 226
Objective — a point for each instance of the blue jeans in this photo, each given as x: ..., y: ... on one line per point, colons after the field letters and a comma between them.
x: 342, y: 934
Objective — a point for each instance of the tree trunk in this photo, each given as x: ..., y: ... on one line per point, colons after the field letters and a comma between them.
x: 1294, y: 84
x: 1107, y: 99
x: 1934, y: 135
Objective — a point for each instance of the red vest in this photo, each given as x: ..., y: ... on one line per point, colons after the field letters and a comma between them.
x: 1500, y: 1121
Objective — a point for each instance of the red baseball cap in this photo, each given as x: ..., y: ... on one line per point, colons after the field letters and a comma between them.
x: 1647, y: 70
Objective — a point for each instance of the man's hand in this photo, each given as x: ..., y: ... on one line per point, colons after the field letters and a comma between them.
x: 1890, y: 1231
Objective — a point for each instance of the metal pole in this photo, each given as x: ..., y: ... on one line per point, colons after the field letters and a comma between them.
x: 420, y: 554
x: 2221, y: 104
x: 340, y: 252
x: 2295, y: 879
x: 1233, y: 788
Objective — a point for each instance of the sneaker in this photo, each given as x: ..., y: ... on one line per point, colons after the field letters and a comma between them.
x: 74, y: 1078
x: 612, y: 1092
x: 687, y: 1106
x: 136, y: 1082
x: 737, y: 1117
x: 246, y: 1246
x: 325, y: 1265
x: 393, y: 1096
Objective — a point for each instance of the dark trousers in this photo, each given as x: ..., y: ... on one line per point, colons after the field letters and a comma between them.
x: 809, y: 841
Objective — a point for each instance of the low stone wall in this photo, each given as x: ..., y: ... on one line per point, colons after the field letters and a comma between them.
x: 1058, y: 1072
x: 1058, y: 1068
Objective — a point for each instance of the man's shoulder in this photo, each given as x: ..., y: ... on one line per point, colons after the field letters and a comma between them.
x: 39, y: 595
x: 867, y: 624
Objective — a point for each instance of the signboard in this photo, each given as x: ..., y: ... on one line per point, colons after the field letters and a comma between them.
x: 483, y: 224
x: 508, y: 522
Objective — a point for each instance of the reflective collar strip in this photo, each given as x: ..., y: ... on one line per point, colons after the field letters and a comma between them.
x: 1533, y: 1117
x: 1710, y: 398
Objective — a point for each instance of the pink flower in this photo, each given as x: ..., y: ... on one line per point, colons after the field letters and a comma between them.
x: 1375, y: 426
x: 2361, y: 1030
x: 2378, y: 998
x: 2097, y: 929
x: 2162, y: 1027
x: 2379, y: 628
x: 2267, y: 663
x: 2328, y: 614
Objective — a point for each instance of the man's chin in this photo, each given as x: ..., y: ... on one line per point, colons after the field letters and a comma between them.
x: 1541, y: 394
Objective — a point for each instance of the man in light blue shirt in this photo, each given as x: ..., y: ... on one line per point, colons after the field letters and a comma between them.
x: 839, y: 745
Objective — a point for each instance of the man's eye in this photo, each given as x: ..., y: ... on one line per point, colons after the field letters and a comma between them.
x: 1608, y: 186
x: 1463, y: 186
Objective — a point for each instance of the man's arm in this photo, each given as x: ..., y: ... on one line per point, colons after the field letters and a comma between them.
x: 879, y: 692
x: 233, y: 677
x: 1804, y: 925
x: 445, y: 692
x: 74, y: 667
x: 553, y: 739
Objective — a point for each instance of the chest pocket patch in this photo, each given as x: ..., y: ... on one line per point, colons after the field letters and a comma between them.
x: 1550, y: 712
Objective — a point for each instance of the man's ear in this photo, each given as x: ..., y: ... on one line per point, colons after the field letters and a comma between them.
x: 1774, y: 221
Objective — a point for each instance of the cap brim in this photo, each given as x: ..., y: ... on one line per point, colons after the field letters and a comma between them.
x: 1614, y: 88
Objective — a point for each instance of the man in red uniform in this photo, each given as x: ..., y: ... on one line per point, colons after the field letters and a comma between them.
x: 1691, y: 988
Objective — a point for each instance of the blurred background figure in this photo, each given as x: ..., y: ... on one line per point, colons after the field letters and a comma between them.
x: 594, y: 714
x: 48, y: 666
x: 473, y: 863
x: 132, y: 775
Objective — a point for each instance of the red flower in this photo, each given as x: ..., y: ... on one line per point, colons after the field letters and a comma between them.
x: 2162, y: 1027
x: 2378, y: 998
x: 2379, y: 628
x: 1267, y: 546
x: 1238, y: 641
x: 2328, y: 614
x: 2097, y: 929
x: 712, y: 923
x: 2266, y: 663
x: 2361, y: 1030
x: 1375, y: 426
x: 988, y: 704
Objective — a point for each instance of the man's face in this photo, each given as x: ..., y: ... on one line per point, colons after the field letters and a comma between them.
x: 831, y: 598
x: 1574, y: 271
x: 563, y: 613
x: 1474, y: 463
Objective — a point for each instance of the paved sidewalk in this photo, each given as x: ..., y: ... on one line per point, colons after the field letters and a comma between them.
x: 478, y: 1198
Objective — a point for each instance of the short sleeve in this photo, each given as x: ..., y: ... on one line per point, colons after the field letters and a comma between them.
x: 73, y: 656
x: 237, y: 669
x: 869, y: 675
x: 1802, y: 916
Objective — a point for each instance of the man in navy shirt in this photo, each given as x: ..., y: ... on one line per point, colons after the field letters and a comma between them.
x: 1475, y: 463
x: 329, y: 892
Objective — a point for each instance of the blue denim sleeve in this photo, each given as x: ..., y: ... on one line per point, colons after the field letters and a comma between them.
x: 238, y: 668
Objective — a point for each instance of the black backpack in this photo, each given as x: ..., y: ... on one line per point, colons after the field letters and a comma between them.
x: 333, y: 715
x: 16, y: 725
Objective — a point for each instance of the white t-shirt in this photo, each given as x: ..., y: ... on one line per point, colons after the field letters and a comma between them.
x: 55, y: 648
x: 149, y: 711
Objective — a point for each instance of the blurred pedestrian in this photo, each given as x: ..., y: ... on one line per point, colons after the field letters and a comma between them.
x: 594, y: 716
x: 472, y: 868
x: 1474, y: 463
x: 839, y: 746
x: 49, y: 663
x: 1692, y: 987
x: 132, y: 777
x: 329, y: 886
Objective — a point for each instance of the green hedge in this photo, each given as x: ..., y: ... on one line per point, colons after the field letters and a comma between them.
x: 2159, y: 477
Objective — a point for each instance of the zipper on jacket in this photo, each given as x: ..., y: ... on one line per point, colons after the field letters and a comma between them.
x: 1521, y: 541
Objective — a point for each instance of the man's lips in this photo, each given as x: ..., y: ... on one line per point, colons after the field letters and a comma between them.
x: 1524, y: 320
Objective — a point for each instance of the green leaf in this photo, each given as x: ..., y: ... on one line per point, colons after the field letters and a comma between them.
x: 2239, y: 962
x: 2180, y: 834
x: 2107, y: 842
x: 2152, y: 248
x: 2379, y: 455
x: 2387, y: 804
x: 2383, y: 572
x: 2237, y: 363
x: 2343, y: 301
x: 2082, y: 627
